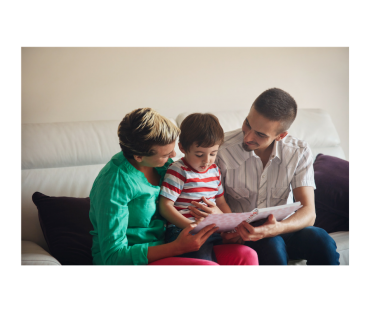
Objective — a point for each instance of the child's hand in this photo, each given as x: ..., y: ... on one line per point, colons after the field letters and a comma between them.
x: 211, y: 209
x: 197, y: 220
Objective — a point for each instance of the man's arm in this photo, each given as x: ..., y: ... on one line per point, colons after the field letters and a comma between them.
x: 302, y: 218
x: 306, y: 215
x: 303, y: 185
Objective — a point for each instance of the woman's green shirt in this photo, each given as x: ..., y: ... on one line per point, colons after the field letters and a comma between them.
x: 124, y: 214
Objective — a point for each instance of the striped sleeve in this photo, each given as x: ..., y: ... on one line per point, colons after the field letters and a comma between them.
x: 220, y: 188
x: 173, y: 182
x: 304, y: 173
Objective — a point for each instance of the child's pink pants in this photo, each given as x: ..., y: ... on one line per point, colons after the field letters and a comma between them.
x: 228, y: 254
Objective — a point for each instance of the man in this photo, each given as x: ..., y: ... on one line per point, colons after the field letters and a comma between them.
x: 262, y: 166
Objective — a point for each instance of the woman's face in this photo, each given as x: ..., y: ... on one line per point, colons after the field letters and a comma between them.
x: 161, y: 156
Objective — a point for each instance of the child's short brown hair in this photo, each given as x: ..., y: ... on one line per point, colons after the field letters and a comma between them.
x: 203, y: 129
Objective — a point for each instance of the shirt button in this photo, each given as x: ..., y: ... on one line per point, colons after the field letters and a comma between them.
x: 237, y: 196
x: 263, y: 176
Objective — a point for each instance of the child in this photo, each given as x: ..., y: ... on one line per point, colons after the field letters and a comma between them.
x: 192, y: 177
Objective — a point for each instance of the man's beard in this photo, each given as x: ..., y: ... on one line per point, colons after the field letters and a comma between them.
x: 247, y: 148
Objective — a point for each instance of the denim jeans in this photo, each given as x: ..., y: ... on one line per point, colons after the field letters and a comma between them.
x: 205, y: 252
x: 311, y: 243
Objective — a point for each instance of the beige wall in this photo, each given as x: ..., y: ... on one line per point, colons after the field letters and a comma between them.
x: 79, y: 84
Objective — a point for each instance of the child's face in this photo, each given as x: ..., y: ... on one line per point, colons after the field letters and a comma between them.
x: 200, y: 158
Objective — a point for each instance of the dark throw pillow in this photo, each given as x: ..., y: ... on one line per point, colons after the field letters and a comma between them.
x: 66, y: 225
x: 332, y: 193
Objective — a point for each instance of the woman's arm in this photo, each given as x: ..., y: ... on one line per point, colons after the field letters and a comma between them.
x: 184, y: 243
x: 111, y: 225
x: 109, y: 214
x: 170, y: 213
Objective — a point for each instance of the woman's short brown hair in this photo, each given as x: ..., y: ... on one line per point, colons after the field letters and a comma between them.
x: 203, y: 129
x: 143, y: 128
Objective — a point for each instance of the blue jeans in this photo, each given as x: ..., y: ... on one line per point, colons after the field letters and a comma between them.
x: 206, y: 250
x: 311, y: 243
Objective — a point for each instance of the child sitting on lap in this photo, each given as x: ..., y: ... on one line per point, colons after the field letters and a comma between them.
x: 192, y: 177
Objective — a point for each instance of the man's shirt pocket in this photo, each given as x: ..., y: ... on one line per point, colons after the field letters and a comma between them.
x: 279, y: 195
x: 238, y: 193
x: 239, y: 199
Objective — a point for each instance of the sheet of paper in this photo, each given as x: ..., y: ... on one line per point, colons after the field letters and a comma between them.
x: 280, y: 212
x: 226, y: 222
x: 229, y: 221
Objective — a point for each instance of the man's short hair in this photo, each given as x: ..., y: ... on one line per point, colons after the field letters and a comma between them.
x: 277, y: 105
x: 203, y: 129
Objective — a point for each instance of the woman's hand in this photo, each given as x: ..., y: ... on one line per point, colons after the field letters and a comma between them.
x: 211, y: 209
x: 187, y: 242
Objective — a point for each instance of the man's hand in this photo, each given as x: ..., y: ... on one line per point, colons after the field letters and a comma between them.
x: 211, y: 209
x: 270, y: 228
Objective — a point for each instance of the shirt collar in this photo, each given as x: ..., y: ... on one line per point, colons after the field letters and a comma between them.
x: 275, y: 153
x: 239, y: 155
x: 275, y: 150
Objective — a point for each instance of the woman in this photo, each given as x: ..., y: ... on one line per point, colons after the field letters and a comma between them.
x: 127, y: 226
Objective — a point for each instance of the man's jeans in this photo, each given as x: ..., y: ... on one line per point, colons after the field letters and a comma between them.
x: 311, y: 243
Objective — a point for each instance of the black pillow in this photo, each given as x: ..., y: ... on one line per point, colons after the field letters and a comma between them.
x: 332, y: 193
x: 66, y: 225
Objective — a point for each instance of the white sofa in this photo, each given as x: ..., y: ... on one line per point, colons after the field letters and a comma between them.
x: 63, y: 159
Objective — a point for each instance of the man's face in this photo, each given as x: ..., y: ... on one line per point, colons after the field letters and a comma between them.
x: 161, y: 156
x: 259, y: 132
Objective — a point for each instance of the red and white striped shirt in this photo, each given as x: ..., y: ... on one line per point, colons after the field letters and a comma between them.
x: 182, y: 184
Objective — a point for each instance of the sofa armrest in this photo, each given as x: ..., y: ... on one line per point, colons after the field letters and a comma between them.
x: 33, y: 254
x: 342, y: 240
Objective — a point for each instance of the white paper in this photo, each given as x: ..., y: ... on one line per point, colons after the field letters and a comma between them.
x: 229, y: 221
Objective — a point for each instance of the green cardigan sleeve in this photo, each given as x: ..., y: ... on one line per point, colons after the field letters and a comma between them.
x: 111, y: 216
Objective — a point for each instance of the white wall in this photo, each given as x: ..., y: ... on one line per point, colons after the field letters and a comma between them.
x: 79, y: 84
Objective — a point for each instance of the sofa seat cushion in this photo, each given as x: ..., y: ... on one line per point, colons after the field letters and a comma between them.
x: 33, y: 254
x: 66, y: 225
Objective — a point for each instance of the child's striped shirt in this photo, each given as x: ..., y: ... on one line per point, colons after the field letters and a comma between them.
x: 182, y: 184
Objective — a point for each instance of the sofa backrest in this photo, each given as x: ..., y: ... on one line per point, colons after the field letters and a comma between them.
x: 63, y: 159
x: 311, y: 125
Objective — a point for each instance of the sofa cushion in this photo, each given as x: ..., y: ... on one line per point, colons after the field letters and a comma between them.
x: 332, y: 193
x: 33, y: 254
x: 66, y: 225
